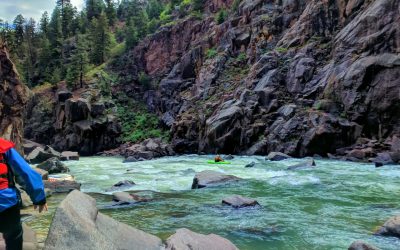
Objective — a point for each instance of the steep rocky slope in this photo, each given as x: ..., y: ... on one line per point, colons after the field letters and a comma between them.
x: 79, y: 121
x: 13, y: 98
x: 300, y: 77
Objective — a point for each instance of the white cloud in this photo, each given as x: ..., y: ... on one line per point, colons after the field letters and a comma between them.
x: 30, y: 8
x: 78, y: 3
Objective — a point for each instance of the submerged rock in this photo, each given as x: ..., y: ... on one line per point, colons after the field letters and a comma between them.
x: 277, y: 156
x: 391, y: 227
x: 78, y: 225
x: 53, y: 166
x: 121, y: 185
x: 308, y: 164
x: 238, y: 201
x: 184, y: 239
x: 229, y: 157
x: 361, y: 245
x: 210, y: 178
x: 124, y: 197
x: 250, y: 165
x: 383, y: 159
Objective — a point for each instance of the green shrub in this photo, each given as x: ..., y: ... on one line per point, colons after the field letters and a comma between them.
x: 138, y: 124
x: 221, y: 16
x: 211, y: 53
x: 242, y: 57
x: 144, y: 80
x: 281, y: 49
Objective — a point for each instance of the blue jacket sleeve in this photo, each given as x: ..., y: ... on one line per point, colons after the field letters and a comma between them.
x: 33, y: 180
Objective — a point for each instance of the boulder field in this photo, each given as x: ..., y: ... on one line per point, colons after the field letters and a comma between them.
x: 77, y: 224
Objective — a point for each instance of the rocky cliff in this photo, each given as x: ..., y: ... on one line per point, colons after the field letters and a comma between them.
x: 296, y: 76
x: 79, y: 121
x: 13, y: 98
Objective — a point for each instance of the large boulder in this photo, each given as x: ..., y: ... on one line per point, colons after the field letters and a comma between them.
x: 184, y: 239
x: 77, y: 110
x: 53, y: 166
x: 309, y: 163
x: 361, y: 245
x: 277, y: 156
x: 238, y: 201
x: 39, y: 155
x: 62, y: 186
x: 209, y: 178
x: 29, y: 146
x: 391, y: 227
x: 147, y: 150
x: 78, y: 225
x: 69, y: 156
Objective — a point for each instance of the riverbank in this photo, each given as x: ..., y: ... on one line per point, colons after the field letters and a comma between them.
x: 344, y: 200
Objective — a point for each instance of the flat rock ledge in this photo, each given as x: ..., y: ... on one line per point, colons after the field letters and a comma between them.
x: 184, y: 239
x: 209, y: 178
x: 238, y: 201
x: 78, y: 225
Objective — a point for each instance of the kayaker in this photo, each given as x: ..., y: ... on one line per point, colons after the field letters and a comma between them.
x: 10, y: 217
x: 218, y: 158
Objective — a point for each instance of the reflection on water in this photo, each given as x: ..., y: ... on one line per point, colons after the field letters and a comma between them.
x: 326, y: 207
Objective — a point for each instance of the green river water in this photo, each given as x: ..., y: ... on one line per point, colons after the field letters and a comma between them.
x: 327, y: 207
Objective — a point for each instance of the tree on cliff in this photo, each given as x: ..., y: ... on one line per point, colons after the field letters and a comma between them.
x: 79, y: 63
x: 154, y: 9
x: 55, y: 37
x: 99, y: 37
x: 94, y: 8
x: 111, y: 12
x: 31, y: 51
x: 19, y: 29
x: 44, y: 23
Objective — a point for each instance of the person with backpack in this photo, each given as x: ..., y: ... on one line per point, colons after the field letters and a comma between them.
x: 10, y: 216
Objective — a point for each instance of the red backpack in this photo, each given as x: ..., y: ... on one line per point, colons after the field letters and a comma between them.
x: 6, y: 173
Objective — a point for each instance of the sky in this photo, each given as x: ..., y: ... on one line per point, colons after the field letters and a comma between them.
x: 9, y: 9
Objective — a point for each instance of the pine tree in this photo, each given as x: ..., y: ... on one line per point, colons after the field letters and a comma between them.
x: 19, y: 29
x: 111, y: 12
x: 31, y: 52
x: 44, y: 60
x: 65, y: 7
x: 100, y: 39
x: 131, y: 36
x: 94, y: 8
x: 154, y: 9
x: 67, y: 18
x: 55, y: 37
x: 44, y: 23
x: 79, y: 63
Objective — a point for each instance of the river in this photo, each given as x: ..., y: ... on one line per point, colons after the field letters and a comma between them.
x: 326, y: 207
